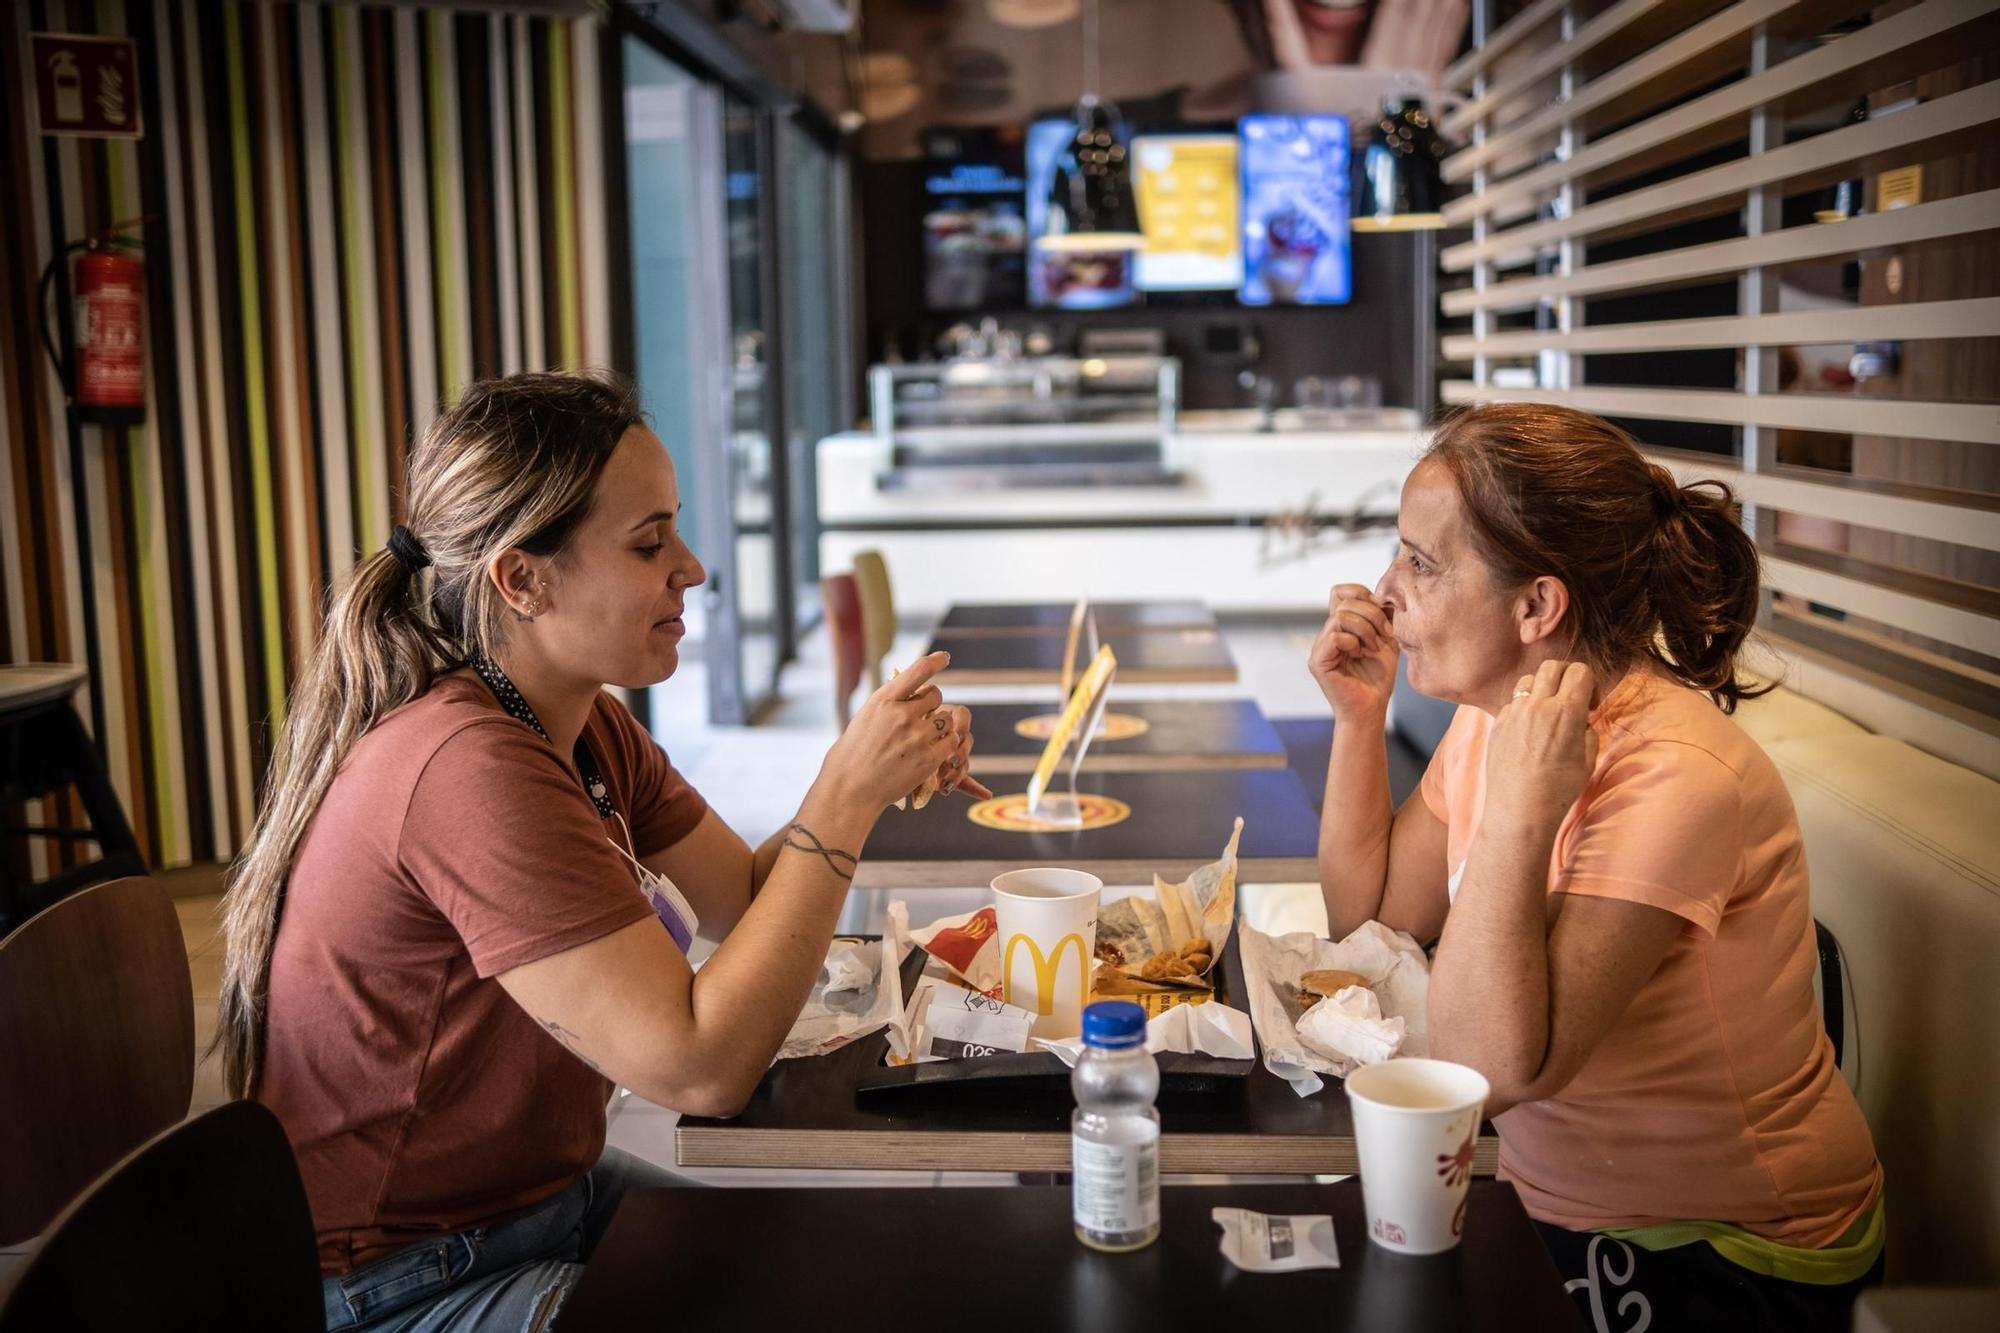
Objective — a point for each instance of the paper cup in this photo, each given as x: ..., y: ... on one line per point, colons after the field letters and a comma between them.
x: 1415, y: 1122
x: 1047, y: 922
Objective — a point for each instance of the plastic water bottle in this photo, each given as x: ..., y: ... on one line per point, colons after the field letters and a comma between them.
x: 1115, y: 1131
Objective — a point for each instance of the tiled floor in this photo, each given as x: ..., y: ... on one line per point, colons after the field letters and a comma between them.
x: 755, y: 777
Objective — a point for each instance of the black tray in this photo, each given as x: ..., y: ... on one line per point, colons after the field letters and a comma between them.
x: 1041, y: 1074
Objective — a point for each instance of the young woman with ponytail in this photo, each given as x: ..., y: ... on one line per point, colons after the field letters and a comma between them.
x: 1610, y: 869
x: 463, y: 913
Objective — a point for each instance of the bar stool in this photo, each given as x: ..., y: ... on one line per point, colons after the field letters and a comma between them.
x: 43, y: 749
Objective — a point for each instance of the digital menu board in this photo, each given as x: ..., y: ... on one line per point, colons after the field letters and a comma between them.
x: 975, y: 229
x: 1296, y: 246
x: 1187, y: 188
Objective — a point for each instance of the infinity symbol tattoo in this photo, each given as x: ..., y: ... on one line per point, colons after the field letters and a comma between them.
x: 802, y: 839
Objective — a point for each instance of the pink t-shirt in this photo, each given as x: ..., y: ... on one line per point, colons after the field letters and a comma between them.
x: 453, y: 846
x: 1714, y: 1097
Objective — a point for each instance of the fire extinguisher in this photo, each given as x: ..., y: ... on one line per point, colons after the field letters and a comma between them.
x: 105, y: 375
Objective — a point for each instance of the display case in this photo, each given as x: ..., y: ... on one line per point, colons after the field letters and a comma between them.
x: 1013, y: 422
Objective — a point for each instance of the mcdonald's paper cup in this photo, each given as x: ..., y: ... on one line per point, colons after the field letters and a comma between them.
x: 1415, y: 1123
x: 1047, y: 922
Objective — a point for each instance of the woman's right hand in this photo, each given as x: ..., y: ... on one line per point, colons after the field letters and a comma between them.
x: 1354, y: 657
x: 899, y: 737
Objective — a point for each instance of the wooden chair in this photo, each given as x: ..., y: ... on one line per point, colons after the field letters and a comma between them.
x: 878, y: 612
x: 206, y: 1226
x: 843, y: 630
x: 96, y: 1043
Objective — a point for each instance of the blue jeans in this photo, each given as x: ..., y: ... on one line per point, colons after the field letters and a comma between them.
x: 514, y: 1275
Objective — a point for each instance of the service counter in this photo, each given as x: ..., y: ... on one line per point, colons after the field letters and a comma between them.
x: 1248, y: 520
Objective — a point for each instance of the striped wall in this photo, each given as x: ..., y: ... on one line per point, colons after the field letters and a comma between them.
x: 351, y: 210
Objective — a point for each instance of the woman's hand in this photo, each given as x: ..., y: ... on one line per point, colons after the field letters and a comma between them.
x: 903, y: 734
x: 957, y: 766
x: 1354, y: 657
x: 1542, y: 750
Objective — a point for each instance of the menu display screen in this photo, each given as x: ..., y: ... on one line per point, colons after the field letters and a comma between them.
x: 1296, y: 245
x: 1187, y: 189
x: 975, y: 229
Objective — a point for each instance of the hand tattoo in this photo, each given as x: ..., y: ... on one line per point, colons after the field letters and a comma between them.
x: 802, y: 839
x: 569, y: 1040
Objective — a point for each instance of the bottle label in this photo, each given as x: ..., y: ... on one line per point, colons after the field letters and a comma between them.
x: 1116, y: 1188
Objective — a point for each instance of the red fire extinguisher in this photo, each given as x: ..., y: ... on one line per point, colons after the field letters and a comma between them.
x: 110, y: 331
x: 106, y: 374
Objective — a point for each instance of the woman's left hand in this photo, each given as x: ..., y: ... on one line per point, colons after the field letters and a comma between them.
x: 1542, y: 750
x: 957, y: 766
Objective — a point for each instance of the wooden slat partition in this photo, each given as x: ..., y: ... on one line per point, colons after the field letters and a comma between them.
x: 1897, y: 48
x: 1569, y: 99
x: 1976, y: 317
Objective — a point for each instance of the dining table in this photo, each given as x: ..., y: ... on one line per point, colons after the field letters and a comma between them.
x: 1032, y: 618
x: 1007, y: 1258
x: 847, y: 1110
x: 1145, y: 657
x: 1135, y: 736
x: 1172, y: 822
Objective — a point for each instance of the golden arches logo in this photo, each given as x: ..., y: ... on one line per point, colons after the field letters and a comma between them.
x: 1045, y: 970
x: 979, y: 927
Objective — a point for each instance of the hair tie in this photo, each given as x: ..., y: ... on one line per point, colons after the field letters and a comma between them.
x: 1668, y: 498
x: 404, y: 545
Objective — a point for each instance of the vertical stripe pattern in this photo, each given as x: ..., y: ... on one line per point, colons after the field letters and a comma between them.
x: 351, y: 211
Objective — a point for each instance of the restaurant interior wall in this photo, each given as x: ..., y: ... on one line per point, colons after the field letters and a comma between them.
x: 350, y: 211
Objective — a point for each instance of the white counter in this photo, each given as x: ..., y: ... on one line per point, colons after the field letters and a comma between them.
x: 1206, y: 537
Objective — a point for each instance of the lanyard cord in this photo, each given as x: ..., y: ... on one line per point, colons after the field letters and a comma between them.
x: 517, y: 708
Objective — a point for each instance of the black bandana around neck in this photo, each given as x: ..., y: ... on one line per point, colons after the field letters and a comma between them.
x: 517, y: 708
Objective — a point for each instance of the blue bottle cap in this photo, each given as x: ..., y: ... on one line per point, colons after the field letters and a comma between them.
x: 1114, y: 1025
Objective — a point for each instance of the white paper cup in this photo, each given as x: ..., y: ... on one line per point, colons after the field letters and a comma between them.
x: 1415, y: 1122
x: 1047, y: 922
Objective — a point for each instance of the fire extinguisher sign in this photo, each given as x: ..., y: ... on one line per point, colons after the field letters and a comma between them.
x: 87, y: 86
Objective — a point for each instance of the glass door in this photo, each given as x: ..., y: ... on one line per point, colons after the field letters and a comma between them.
x: 702, y: 301
x: 813, y: 228
x: 762, y: 593
x: 671, y: 187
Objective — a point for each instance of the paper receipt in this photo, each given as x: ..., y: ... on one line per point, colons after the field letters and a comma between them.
x: 1265, y: 1243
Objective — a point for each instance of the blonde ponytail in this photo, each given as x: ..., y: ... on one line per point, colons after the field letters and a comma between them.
x: 514, y: 464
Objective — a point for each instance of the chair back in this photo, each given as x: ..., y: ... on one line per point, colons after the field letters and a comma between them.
x: 1832, y: 987
x: 878, y: 612
x: 844, y: 632
x: 206, y: 1226
x: 96, y: 1043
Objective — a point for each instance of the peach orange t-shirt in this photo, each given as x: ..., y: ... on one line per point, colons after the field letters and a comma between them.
x: 1714, y: 1097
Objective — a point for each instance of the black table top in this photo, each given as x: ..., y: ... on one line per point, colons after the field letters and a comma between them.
x: 1178, y: 821
x: 1180, y: 733
x: 1144, y: 656
x: 805, y: 1115
x: 1007, y: 1259
x: 1053, y: 617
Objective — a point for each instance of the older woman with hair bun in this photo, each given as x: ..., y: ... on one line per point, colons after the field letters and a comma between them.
x: 464, y: 912
x: 1611, y: 871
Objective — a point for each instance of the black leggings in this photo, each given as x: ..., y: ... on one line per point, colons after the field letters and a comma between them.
x: 1621, y: 1288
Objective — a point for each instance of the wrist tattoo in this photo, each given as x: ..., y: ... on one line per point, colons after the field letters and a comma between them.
x: 569, y: 1040
x: 802, y: 839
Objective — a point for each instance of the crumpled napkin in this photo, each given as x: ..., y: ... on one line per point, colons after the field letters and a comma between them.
x: 1349, y: 1025
x: 859, y: 992
x: 1337, y: 1035
x: 1209, y: 1028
